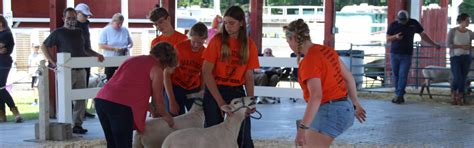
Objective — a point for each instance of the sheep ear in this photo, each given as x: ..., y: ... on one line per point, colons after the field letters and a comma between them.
x: 227, y: 108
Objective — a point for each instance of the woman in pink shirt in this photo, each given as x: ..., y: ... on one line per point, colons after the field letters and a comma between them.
x: 216, y: 23
x: 122, y: 103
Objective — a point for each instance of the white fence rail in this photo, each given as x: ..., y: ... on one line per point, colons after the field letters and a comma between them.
x: 65, y: 93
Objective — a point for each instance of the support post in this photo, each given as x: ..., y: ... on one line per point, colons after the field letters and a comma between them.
x: 64, y: 87
x: 70, y: 3
x: 124, y: 11
x: 329, y: 22
x: 170, y: 6
x: 56, y: 8
x: 256, y: 22
x: 7, y: 11
x: 43, y: 92
x: 415, y: 9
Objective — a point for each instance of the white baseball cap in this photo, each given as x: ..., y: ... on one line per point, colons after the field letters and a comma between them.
x: 84, y: 9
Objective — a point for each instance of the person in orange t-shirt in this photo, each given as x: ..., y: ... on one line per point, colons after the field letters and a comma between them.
x: 162, y: 21
x: 229, y: 61
x: 186, y: 78
x: 326, y: 82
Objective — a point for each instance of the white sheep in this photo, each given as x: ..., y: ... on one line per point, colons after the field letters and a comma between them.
x: 470, y: 77
x: 97, y: 80
x: 432, y: 74
x: 156, y: 129
x: 223, y: 135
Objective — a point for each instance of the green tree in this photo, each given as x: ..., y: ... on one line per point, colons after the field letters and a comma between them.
x: 467, y: 6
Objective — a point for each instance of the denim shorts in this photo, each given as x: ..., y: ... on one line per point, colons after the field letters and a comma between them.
x: 333, y: 118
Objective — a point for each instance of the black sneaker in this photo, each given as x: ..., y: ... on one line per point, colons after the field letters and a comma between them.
x: 79, y: 130
x: 89, y: 115
x: 398, y: 100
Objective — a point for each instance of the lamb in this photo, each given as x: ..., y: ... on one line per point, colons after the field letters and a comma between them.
x: 156, y: 130
x: 470, y: 77
x: 97, y: 80
x: 218, y: 136
x: 432, y: 74
x: 375, y: 70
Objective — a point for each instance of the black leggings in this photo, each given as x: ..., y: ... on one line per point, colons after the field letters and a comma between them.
x: 181, y: 98
x: 117, y: 122
x: 5, y: 96
x: 109, y: 71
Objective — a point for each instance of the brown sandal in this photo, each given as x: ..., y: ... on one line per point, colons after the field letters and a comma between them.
x: 460, y: 99
x: 454, y: 96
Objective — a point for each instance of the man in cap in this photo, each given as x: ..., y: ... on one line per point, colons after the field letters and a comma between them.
x: 83, y: 15
x: 400, y: 33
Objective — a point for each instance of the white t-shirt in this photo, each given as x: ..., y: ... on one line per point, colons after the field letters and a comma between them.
x: 34, y: 61
x: 461, y: 38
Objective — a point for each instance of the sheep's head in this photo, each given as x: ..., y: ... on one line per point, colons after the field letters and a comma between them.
x: 197, y: 100
x: 244, y: 104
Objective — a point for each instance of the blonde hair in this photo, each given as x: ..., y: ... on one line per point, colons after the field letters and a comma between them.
x: 300, y: 30
x: 237, y: 13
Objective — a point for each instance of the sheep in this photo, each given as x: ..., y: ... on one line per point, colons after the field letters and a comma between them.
x: 97, y: 80
x: 470, y: 77
x: 156, y: 129
x: 375, y: 70
x: 432, y: 74
x: 226, y: 132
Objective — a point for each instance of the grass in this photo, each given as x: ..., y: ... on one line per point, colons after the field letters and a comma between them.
x: 24, y: 96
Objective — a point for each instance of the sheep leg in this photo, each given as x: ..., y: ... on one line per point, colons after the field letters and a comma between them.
x: 137, y: 142
x: 423, y: 88
x: 428, y: 88
x: 468, y: 87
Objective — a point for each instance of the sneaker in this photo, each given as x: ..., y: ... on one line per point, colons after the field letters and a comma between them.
x: 87, y: 114
x: 79, y: 130
x: 398, y: 100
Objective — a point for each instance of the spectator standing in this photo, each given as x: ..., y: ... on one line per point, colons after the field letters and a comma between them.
x: 69, y: 39
x: 400, y: 34
x: 115, y: 40
x: 459, y: 42
x: 6, y: 48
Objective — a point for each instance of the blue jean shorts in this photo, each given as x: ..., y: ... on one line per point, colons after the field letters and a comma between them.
x: 333, y: 118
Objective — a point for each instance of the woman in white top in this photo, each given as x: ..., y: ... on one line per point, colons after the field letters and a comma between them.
x: 115, y: 40
x: 33, y: 63
x: 459, y: 43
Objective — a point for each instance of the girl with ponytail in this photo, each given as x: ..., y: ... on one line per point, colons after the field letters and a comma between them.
x: 326, y: 85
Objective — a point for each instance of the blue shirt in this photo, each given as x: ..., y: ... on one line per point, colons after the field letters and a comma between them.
x: 405, y: 45
x: 114, y: 38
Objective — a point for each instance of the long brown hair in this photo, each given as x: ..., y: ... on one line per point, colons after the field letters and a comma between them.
x: 4, y: 23
x: 237, y: 13
x: 300, y: 30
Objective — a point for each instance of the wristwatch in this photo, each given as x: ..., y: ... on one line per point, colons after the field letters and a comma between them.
x: 302, y: 126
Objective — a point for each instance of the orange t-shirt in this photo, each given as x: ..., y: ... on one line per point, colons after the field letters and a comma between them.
x: 230, y: 72
x: 322, y: 62
x: 188, y: 73
x: 174, y: 39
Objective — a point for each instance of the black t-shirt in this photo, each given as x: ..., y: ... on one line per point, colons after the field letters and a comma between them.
x: 85, y: 33
x: 6, y: 38
x: 67, y: 40
x: 405, y: 45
